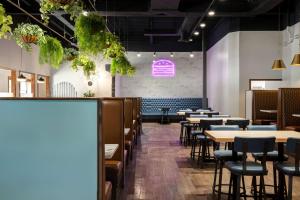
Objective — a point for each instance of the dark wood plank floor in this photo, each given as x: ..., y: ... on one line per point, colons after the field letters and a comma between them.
x: 162, y: 170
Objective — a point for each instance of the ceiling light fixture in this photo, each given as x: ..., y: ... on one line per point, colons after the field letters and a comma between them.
x: 296, y: 60
x: 138, y: 54
x: 154, y: 54
x: 41, y: 80
x: 171, y: 54
x: 202, y: 25
x: 21, y: 78
x: 196, y: 33
x: 191, y: 55
x: 211, y: 13
x: 278, y: 65
x: 191, y: 40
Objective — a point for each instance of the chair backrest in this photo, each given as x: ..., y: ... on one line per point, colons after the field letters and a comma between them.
x: 242, y: 123
x: 220, y: 116
x: 224, y: 127
x: 293, y: 148
x: 205, y: 124
x: 210, y: 114
x: 199, y: 116
x: 188, y: 114
x: 262, y: 127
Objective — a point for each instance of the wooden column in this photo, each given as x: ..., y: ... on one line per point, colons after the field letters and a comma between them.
x: 32, y: 79
x: 13, y: 78
x: 47, y: 82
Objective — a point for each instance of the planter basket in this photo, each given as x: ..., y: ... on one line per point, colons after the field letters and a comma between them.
x: 61, y: 2
x: 29, y: 39
x: 70, y: 58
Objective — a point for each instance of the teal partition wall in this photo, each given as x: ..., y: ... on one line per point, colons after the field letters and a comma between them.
x: 48, y: 149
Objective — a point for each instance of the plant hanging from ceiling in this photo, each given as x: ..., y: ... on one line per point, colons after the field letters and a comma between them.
x: 88, y: 66
x: 120, y: 65
x: 113, y: 47
x: 90, y: 33
x: 70, y: 54
x: 51, y: 52
x: 5, y: 22
x: 73, y: 7
x: 27, y: 34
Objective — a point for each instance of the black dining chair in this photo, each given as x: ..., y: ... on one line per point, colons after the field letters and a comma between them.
x: 242, y: 123
x: 249, y: 168
x: 290, y: 169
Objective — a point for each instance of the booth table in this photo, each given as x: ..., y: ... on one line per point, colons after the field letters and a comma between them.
x: 110, y: 150
x: 296, y: 115
x: 269, y: 111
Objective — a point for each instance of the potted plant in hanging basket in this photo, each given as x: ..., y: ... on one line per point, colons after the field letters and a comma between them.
x: 73, y: 7
x: 5, y: 22
x: 90, y: 33
x: 70, y: 54
x: 27, y: 34
x: 88, y: 66
x: 51, y: 52
x: 113, y: 47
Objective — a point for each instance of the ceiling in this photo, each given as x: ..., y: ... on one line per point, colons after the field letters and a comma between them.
x: 160, y: 25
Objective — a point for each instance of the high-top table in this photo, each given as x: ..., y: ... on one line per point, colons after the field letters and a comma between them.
x: 110, y: 150
x: 281, y: 138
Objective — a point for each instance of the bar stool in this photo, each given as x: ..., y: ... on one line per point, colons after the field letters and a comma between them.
x: 181, y: 131
x: 221, y: 157
x: 291, y: 170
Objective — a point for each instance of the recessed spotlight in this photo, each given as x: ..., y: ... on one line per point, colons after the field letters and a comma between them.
x: 138, y: 54
x: 191, y: 55
x: 191, y: 40
x: 172, y: 55
x: 154, y: 54
x: 202, y: 25
x: 85, y: 13
x: 211, y: 13
x: 196, y: 33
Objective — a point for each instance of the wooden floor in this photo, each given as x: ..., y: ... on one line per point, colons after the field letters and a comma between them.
x: 162, y: 170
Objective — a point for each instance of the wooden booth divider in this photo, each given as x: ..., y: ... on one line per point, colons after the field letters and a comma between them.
x: 289, y: 105
x: 112, y: 124
x: 264, y: 100
x: 129, y: 138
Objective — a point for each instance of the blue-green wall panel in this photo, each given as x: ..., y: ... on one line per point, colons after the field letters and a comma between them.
x: 48, y: 150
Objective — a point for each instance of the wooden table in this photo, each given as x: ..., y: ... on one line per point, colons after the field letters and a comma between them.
x: 181, y: 113
x: 126, y: 131
x: 197, y: 120
x: 296, y: 115
x: 269, y: 111
x: 110, y: 150
x: 281, y: 138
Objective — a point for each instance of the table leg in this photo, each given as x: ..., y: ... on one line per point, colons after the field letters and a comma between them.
x: 281, y: 175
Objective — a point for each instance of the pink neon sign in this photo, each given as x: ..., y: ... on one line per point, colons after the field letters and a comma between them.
x: 163, y: 68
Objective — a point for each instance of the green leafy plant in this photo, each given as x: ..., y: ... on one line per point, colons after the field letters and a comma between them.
x: 120, y: 65
x: 27, y: 34
x: 90, y: 33
x: 88, y: 66
x: 5, y: 22
x: 51, y: 52
x: 73, y: 7
x: 70, y: 54
x: 114, y: 47
x: 88, y: 94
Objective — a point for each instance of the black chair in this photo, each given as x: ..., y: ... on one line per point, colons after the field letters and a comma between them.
x: 210, y: 114
x: 249, y: 168
x: 221, y: 157
x: 289, y: 169
x: 242, y: 123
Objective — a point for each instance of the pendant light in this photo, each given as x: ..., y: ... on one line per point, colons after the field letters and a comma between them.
x: 278, y: 64
x: 21, y: 78
x: 296, y: 60
x: 41, y: 80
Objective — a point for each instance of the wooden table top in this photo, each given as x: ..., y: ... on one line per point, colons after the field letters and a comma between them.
x: 296, y: 115
x: 126, y: 131
x: 228, y: 136
x: 197, y: 120
x: 268, y: 111
x: 180, y: 113
x: 110, y: 150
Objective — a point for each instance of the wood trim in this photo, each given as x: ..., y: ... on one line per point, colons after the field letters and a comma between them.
x: 32, y: 80
x: 101, y: 155
x: 47, y: 82
x: 13, y: 76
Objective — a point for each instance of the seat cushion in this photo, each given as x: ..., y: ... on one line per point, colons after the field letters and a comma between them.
x: 108, y: 189
x: 188, y: 125
x: 252, y: 168
x: 183, y: 122
x: 114, y: 164
x: 271, y: 156
x: 292, y: 128
x: 225, y: 155
x: 287, y: 168
x: 202, y: 137
x: 196, y: 132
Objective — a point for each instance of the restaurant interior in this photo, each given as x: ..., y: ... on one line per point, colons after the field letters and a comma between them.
x: 149, y: 99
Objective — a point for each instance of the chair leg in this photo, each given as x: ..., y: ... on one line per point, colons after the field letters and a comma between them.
x: 215, y: 177
x: 244, y: 187
x: 254, y: 187
x: 193, y: 148
x: 181, y: 134
x: 237, y: 195
x: 229, y: 189
x: 220, y: 180
x: 290, y: 188
x: 274, y: 179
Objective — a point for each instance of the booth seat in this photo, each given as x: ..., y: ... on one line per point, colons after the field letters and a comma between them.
x: 151, y: 107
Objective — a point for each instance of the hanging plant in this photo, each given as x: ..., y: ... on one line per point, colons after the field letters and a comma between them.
x: 27, y: 34
x: 70, y: 54
x: 5, y: 22
x: 90, y: 33
x: 113, y: 47
x: 51, y: 52
x: 73, y: 7
x: 88, y: 66
x: 120, y: 65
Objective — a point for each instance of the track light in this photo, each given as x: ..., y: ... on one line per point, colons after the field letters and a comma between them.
x: 196, y: 33
x: 191, y: 55
x: 171, y: 54
x: 202, y: 25
x: 211, y: 13
x: 138, y: 55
